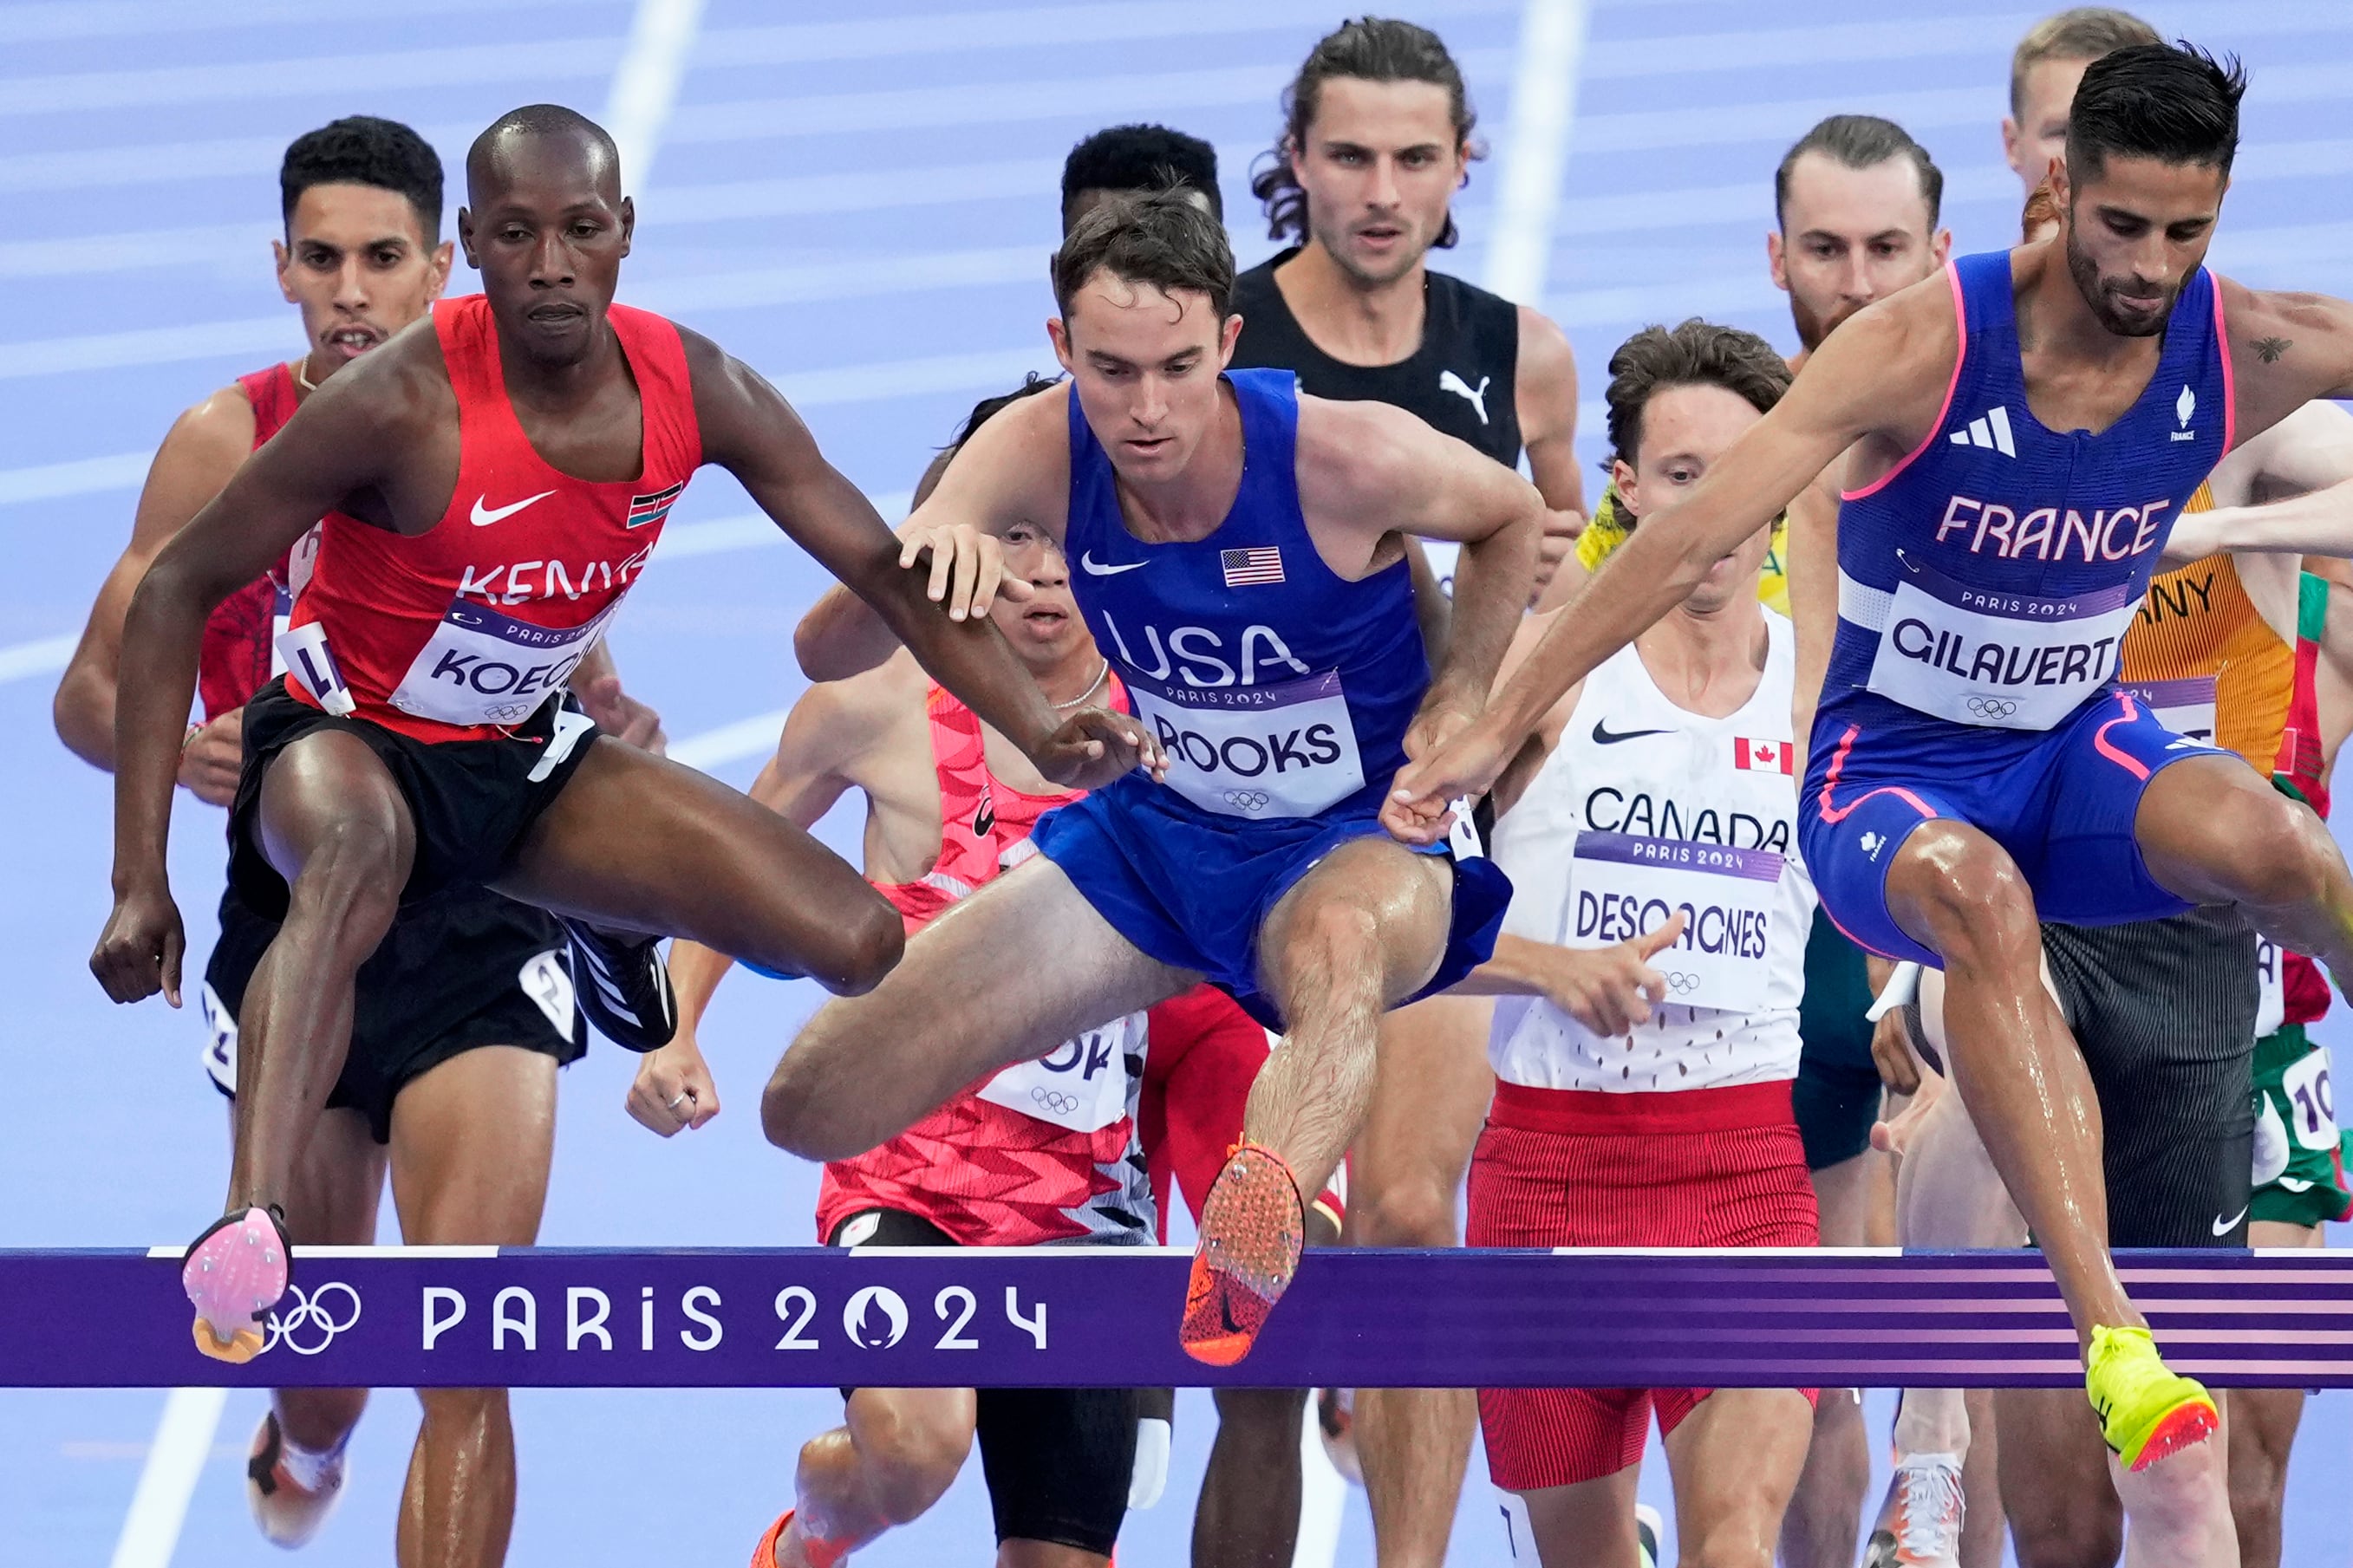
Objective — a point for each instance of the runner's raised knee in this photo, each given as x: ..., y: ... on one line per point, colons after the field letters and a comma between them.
x: 352, y: 875
x: 797, y: 1113
x: 1417, y: 1210
x: 2279, y: 855
x: 1969, y: 896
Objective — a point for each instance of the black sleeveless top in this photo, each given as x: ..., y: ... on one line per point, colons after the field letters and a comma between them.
x: 1459, y: 380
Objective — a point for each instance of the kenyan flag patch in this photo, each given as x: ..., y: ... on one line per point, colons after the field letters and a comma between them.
x: 653, y: 508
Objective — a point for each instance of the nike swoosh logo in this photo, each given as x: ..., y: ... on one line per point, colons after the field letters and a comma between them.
x: 1226, y: 1310
x: 2225, y: 1227
x: 1097, y: 569
x: 1604, y: 736
x: 483, y: 517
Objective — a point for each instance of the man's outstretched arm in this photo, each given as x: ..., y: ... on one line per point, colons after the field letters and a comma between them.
x: 1871, y: 369
x: 336, y: 445
x: 751, y: 431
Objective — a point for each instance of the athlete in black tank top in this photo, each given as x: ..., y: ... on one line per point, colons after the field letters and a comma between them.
x: 1461, y: 380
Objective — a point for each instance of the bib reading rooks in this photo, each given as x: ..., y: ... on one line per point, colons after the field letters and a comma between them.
x: 1259, y: 751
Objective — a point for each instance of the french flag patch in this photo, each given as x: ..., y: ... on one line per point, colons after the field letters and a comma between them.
x: 644, y: 509
x: 1763, y: 756
x: 1263, y: 564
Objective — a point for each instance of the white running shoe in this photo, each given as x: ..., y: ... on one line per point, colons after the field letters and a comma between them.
x: 1920, y: 1523
x: 1649, y: 1525
x: 288, y: 1515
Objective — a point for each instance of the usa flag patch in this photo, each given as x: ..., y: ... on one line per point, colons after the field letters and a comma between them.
x: 644, y: 509
x: 1764, y: 756
x: 1263, y: 564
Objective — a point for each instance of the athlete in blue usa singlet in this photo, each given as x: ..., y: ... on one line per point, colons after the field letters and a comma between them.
x: 1985, y: 585
x: 1281, y: 693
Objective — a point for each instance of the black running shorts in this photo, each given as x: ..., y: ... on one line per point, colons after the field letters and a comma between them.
x: 472, y: 801
x: 1836, y: 1097
x: 462, y: 969
x: 1059, y: 1461
x: 2165, y: 1013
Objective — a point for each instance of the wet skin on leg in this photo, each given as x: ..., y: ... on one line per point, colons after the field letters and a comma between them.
x: 896, y: 1453
x: 1353, y: 937
x: 2214, y: 831
x: 965, y: 1002
x: 1956, y: 892
x: 1587, y: 1525
x: 333, y: 824
x: 1735, y: 1460
x: 338, y: 1186
x: 2263, y: 1431
x: 1823, y: 1522
x: 472, y: 1142
x: 1430, y: 1099
x: 1247, y: 1516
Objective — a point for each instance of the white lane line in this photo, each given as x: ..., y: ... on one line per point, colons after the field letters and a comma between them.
x: 1322, y: 1497
x: 1535, y: 146
x: 46, y: 657
x: 753, y: 737
x: 856, y: 278
x: 153, y: 345
x: 547, y: 61
x: 83, y: 476
x: 184, y: 1437
x: 23, y: 20
x: 645, y: 88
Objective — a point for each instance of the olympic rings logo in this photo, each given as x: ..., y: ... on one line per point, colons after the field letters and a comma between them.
x: 1054, y: 1099
x: 311, y: 1328
x: 1246, y: 799
x: 1992, y: 706
x: 510, y: 713
x: 1684, y: 985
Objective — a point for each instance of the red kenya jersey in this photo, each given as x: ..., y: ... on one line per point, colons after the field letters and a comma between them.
x: 462, y: 631
x: 241, y: 636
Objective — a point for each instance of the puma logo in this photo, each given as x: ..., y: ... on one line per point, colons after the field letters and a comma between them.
x: 1449, y: 382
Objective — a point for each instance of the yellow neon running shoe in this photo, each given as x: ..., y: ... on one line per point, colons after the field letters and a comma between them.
x: 2148, y: 1411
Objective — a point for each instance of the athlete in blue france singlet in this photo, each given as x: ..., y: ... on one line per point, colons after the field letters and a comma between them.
x: 1281, y: 692
x: 1985, y: 586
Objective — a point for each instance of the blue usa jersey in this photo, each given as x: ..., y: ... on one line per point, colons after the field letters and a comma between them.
x: 1989, y: 578
x: 1277, y: 688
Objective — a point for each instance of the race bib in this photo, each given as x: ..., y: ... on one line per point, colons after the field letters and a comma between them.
x: 1622, y: 887
x: 2008, y: 660
x: 2271, y: 987
x: 2311, y: 1101
x: 1255, y: 751
x: 480, y: 667
x: 1081, y: 1085
x: 2184, y: 707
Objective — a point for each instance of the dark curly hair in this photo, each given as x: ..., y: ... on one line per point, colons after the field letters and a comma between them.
x: 361, y: 149
x: 1368, y: 49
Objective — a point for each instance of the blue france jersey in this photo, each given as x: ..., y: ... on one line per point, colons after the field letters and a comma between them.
x: 1277, y: 688
x: 1989, y: 578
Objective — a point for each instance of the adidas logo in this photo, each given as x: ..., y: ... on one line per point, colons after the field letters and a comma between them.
x: 1989, y: 430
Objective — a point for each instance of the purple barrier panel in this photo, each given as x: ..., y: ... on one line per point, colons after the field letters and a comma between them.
x: 811, y: 1317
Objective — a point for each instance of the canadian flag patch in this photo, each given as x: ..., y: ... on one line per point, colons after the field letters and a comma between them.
x: 1763, y: 756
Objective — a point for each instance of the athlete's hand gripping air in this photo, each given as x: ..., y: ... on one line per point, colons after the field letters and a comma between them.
x: 1864, y: 380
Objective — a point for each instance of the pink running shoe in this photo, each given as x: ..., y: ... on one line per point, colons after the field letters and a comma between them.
x: 234, y: 1272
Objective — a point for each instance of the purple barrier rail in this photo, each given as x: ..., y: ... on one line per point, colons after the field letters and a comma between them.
x: 810, y: 1317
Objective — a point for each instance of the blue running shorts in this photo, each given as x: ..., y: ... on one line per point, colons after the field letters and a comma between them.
x: 2061, y: 802
x: 1193, y: 890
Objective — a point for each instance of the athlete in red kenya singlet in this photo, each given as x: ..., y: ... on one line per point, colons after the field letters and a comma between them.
x: 454, y: 634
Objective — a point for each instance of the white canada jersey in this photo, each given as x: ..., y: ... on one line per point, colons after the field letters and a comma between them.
x: 1643, y: 809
